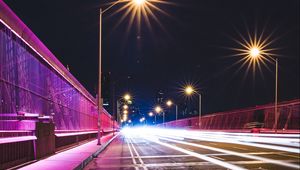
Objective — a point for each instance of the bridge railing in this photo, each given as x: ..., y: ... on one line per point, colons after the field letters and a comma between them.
x: 249, y: 118
x: 35, y: 87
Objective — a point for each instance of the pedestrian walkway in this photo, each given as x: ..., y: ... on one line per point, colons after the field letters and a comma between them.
x: 74, y: 158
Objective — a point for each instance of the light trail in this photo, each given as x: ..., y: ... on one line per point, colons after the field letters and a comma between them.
x: 243, y: 141
x: 286, y: 144
x: 235, y: 153
x: 197, y: 155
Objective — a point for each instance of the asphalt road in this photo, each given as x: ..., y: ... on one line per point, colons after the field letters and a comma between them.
x: 181, y: 150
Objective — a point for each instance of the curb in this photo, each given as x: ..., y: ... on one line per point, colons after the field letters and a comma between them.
x: 94, y: 155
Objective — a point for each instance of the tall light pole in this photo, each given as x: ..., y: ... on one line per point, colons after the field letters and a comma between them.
x: 152, y: 114
x: 276, y: 94
x: 189, y: 90
x: 256, y: 54
x: 169, y: 103
x: 134, y: 6
x: 158, y: 110
x: 100, y: 107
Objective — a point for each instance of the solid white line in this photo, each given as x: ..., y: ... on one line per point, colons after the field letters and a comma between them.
x: 197, y: 155
x: 133, y: 159
x: 137, y: 154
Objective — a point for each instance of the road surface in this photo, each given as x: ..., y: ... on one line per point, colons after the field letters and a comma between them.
x: 173, y: 149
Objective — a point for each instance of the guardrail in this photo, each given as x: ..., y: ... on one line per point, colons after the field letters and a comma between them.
x: 35, y: 88
x: 248, y: 118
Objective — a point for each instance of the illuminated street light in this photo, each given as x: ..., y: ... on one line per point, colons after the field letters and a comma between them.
x: 169, y: 103
x: 127, y: 97
x: 135, y: 7
x: 125, y: 111
x: 142, y: 119
x: 189, y: 90
x: 254, y: 52
x: 150, y: 114
x: 129, y: 121
x: 158, y: 109
x: 125, y: 106
x: 139, y: 2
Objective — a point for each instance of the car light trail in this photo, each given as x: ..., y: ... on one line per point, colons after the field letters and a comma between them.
x: 197, y: 155
x: 235, y: 153
x: 240, y: 141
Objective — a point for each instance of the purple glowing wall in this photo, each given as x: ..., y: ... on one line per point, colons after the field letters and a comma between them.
x: 29, y: 84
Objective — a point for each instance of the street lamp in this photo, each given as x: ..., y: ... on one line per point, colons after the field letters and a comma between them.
x: 125, y: 106
x: 139, y: 2
x: 152, y: 114
x: 127, y: 97
x: 158, y: 110
x: 255, y: 53
x: 136, y: 7
x: 169, y: 104
x: 189, y: 90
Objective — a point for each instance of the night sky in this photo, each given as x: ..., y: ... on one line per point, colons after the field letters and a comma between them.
x: 191, y: 45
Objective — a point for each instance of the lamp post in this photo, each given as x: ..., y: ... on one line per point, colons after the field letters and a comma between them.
x: 100, y: 107
x: 255, y: 54
x: 151, y: 114
x: 158, y: 110
x: 189, y: 90
x: 169, y: 104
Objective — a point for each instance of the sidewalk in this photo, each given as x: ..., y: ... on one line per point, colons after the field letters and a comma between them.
x: 74, y: 158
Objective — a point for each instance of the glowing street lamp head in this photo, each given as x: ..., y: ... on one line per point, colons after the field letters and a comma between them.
x: 254, y: 52
x: 189, y: 90
x: 158, y: 109
x: 139, y: 2
x: 125, y: 112
x: 169, y: 103
x: 125, y: 106
x: 150, y: 114
x: 127, y: 97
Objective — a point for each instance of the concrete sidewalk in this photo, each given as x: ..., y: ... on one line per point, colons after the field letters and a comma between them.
x: 75, y: 158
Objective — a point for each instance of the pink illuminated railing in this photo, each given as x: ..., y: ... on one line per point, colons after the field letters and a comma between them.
x: 37, y: 95
x: 259, y: 116
x: 33, y: 81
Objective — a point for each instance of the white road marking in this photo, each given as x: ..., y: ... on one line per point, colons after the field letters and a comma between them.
x: 236, y: 153
x: 133, y: 159
x: 197, y: 155
x: 188, y: 164
x: 137, y: 154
